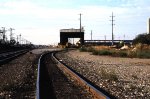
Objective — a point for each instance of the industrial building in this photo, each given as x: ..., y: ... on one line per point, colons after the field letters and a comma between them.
x: 65, y: 34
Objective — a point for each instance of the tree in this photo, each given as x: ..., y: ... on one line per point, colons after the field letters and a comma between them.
x: 12, y: 42
x: 142, y: 38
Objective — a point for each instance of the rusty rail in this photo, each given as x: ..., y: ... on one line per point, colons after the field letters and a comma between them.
x: 94, y: 91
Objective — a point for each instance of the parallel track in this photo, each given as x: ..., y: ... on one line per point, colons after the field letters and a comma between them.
x: 98, y: 94
x: 7, y: 56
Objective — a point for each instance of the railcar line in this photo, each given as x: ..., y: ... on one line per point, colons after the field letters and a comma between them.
x: 7, y: 56
x: 45, y: 81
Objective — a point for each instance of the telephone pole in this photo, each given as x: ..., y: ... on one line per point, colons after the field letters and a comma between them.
x: 112, y: 20
x: 105, y: 37
x: 11, y: 34
x: 80, y: 29
x: 17, y: 40
x: 20, y: 38
x: 80, y: 22
x: 124, y: 36
x: 4, y: 33
x: 91, y: 34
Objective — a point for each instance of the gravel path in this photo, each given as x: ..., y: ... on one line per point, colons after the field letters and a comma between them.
x: 125, y: 78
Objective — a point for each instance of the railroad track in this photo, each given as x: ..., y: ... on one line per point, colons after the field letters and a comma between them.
x: 45, y: 82
x: 7, y: 56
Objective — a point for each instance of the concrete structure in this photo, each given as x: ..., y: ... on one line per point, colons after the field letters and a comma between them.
x: 71, y: 33
x: 148, y: 26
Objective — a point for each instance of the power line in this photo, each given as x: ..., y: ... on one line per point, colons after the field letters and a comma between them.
x: 112, y: 20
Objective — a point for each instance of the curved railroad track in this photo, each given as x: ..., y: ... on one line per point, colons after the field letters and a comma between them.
x: 47, y: 83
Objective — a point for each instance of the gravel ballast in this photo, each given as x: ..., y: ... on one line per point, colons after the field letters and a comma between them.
x: 125, y: 78
x: 18, y: 77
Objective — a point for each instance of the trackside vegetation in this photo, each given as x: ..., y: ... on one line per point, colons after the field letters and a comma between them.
x: 140, y: 49
x: 118, y: 53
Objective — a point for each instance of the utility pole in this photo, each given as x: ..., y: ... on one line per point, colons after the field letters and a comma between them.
x: 4, y: 35
x: 20, y: 38
x: 11, y: 34
x: 91, y: 34
x: 80, y: 28
x: 17, y: 39
x: 124, y: 36
x: 112, y: 20
x: 80, y: 22
x: 105, y: 37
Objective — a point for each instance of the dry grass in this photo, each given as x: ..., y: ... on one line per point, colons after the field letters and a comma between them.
x: 139, y: 51
x: 101, y: 47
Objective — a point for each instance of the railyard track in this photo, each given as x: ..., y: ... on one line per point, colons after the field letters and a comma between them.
x: 48, y: 84
x: 7, y: 56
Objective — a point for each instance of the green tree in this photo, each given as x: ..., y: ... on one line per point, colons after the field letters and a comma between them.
x: 142, y: 38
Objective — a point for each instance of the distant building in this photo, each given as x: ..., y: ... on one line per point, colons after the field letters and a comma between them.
x: 148, y: 26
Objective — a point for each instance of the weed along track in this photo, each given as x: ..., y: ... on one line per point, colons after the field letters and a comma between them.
x: 56, y: 81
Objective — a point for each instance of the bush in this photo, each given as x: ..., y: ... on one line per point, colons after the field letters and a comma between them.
x: 131, y: 54
x: 105, y: 52
x: 139, y: 54
x: 95, y: 52
x: 83, y: 49
x: 143, y: 54
x: 142, y: 38
x: 86, y: 49
x: 101, y: 52
x: 90, y: 49
x: 120, y: 53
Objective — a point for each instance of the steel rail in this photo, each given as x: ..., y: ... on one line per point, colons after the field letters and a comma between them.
x: 43, y: 84
x: 94, y: 91
x: 38, y: 79
x: 89, y: 87
x: 10, y: 55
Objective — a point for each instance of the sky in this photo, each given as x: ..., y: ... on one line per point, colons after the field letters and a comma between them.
x: 40, y: 21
